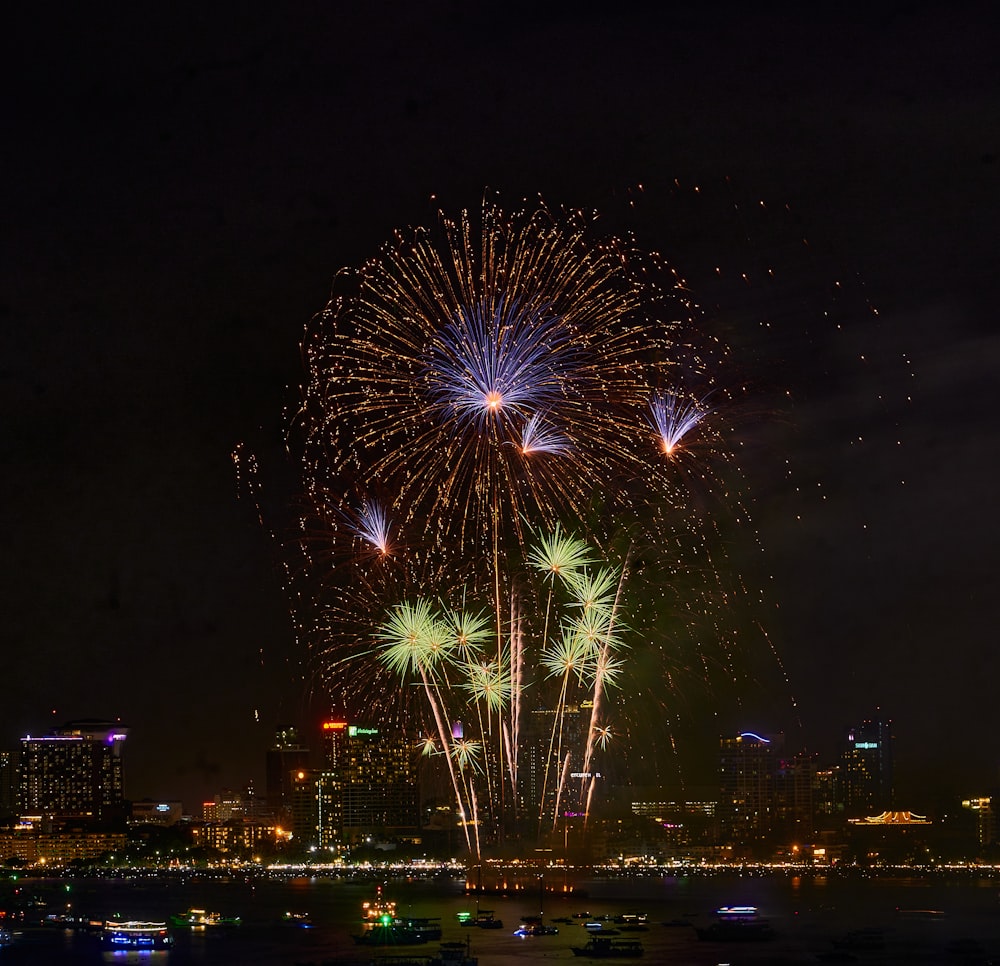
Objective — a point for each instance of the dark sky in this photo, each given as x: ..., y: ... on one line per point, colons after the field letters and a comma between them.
x: 180, y: 186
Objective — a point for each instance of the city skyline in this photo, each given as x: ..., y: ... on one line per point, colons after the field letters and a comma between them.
x: 859, y: 775
x: 184, y: 201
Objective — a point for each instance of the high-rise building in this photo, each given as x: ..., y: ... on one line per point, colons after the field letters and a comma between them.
x: 367, y: 786
x: 284, y: 759
x: 8, y: 786
x: 797, y: 784
x: 866, y: 769
x: 984, y: 810
x: 748, y: 770
x: 827, y: 806
x: 74, y: 772
x: 552, y: 764
x: 303, y: 808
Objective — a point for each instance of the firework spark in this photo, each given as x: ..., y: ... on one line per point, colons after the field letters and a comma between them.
x: 674, y: 418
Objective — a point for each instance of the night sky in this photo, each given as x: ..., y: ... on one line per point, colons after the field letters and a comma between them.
x: 180, y: 186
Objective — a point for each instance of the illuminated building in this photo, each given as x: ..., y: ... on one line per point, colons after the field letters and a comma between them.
x: 796, y: 787
x: 748, y: 786
x: 8, y: 786
x: 866, y: 769
x: 152, y: 812
x: 33, y: 847
x: 283, y: 759
x: 74, y: 772
x: 542, y: 759
x: 891, y: 818
x: 302, y: 807
x: 367, y: 786
x: 986, y: 818
x: 239, y: 836
x: 226, y: 806
x: 826, y: 797
x: 683, y: 823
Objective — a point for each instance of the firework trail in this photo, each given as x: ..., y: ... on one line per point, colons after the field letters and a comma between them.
x: 502, y: 383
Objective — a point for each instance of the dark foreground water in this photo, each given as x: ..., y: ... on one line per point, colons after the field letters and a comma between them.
x: 934, y: 919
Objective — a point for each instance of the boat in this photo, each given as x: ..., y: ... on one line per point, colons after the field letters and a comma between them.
x: 399, y: 932
x: 601, y: 947
x: 378, y: 908
x: 298, y: 920
x: 737, y: 924
x: 455, y: 954
x: 202, y: 919
x: 631, y: 919
x: 450, y: 954
x: 535, y: 929
x: 136, y: 934
x: 484, y: 920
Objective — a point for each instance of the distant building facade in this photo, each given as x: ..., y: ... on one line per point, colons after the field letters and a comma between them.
x: 984, y: 811
x: 74, y: 773
x: 866, y: 769
x: 748, y: 786
x: 8, y: 787
x: 551, y: 764
x: 368, y: 785
x: 33, y: 847
x: 366, y: 788
x: 286, y: 756
x: 154, y: 812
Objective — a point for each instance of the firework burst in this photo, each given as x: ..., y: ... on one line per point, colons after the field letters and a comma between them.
x: 495, y: 381
x: 487, y: 377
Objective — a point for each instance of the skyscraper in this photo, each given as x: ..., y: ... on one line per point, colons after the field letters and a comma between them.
x: 550, y: 765
x: 866, y: 769
x: 368, y: 784
x: 285, y: 758
x: 8, y: 786
x: 74, y: 772
x: 748, y: 769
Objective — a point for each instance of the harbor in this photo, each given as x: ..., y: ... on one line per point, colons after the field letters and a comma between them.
x: 888, y: 920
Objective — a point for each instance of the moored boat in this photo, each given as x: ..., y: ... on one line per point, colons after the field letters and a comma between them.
x: 136, y: 934
x: 601, y: 947
x: 202, y: 918
x: 737, y: 923
x: 399, y: 932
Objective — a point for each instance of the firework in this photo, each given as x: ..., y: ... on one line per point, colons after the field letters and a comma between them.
x: 495, y: 383
x: 674, y: 418
x: 484, y: 378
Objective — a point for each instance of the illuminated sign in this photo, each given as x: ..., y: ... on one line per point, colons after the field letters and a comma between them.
x: 866, y: 744
x: 334, y: 725
x: 750, y: 734
x: 357, y: 730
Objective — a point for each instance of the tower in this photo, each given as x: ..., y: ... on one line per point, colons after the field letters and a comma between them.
x: 748, y: 769
x: 368, y: 784
x: 283, y: 760
x: 866, y: 768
